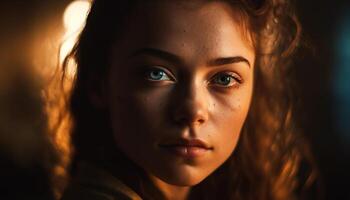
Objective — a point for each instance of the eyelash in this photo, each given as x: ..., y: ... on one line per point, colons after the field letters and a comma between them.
x: 152, y: 77
x: 233, y: 78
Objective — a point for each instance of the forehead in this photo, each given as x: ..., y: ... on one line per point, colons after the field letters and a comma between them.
x: 188, y: 27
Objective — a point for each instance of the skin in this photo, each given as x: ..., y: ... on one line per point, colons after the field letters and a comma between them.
x: 180, y: 71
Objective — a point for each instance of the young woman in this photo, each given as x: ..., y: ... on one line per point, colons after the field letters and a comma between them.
x: 185, y: 100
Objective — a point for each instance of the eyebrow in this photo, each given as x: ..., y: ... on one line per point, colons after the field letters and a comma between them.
x: 228, y: 60
x: 176, y: 59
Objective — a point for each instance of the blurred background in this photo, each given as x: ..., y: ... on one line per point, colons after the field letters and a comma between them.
x: 33, y: 31
x: 323, y: 74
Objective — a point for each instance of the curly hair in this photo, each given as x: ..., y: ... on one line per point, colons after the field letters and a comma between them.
x: 271, y: 149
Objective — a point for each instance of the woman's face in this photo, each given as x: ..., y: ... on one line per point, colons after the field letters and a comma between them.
x: 179, y: 88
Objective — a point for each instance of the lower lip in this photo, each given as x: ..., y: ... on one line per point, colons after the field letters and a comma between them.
x: 187, y: 151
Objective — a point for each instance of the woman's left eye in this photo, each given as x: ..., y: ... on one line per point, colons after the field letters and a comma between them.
x: 226, y: 79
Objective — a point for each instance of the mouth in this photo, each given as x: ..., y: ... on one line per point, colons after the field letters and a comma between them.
x: 189, y: 148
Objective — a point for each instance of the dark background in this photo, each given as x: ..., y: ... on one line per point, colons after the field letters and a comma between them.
x: 323, y: 74
x: 29, y: 37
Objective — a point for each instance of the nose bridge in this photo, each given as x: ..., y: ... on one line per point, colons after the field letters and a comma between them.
x: 191, y: 106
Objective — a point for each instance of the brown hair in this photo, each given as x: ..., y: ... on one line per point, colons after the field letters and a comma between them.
x: 266, y: 161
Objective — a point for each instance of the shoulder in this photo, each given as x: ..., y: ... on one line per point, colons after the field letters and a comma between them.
x: 92, y: 183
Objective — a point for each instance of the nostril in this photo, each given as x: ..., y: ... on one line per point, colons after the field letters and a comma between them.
x: 190, y: 118
x: 201, y: 121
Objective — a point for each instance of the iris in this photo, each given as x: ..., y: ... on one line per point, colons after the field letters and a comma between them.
x: 224, y: 80
x: 157, y: 75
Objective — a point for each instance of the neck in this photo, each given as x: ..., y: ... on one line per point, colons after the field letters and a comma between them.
x: 171, y: 192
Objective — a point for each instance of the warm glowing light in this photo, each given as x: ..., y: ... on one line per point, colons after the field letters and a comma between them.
x: 65, y: 49
x: 74, y: 20
x: 75, y: 15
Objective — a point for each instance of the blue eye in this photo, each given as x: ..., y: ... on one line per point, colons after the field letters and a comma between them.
x: 225, y: 80
x: 157, y: 75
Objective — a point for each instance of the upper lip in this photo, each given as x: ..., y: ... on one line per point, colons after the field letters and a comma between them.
x: 187, y: 142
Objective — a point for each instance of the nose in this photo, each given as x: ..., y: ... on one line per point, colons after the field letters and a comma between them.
x: 191, y: 106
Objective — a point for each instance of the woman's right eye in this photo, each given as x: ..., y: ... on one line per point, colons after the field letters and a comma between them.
x: 157, y: 74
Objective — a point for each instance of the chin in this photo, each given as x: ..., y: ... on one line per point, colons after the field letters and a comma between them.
x: 188, y: 177
x: 184, y: 181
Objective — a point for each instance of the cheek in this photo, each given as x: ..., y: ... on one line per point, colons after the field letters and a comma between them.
x: 148, y: 107
x: 136, y: 115
x: 228, y: 119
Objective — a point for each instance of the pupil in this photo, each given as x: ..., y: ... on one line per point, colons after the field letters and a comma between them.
x: 225, y: 80
x: 156, y: 74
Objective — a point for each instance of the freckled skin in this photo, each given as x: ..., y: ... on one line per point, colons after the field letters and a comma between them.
x: 145, y: 113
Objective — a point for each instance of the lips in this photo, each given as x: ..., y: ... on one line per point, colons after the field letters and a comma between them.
x: 187, y: 147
